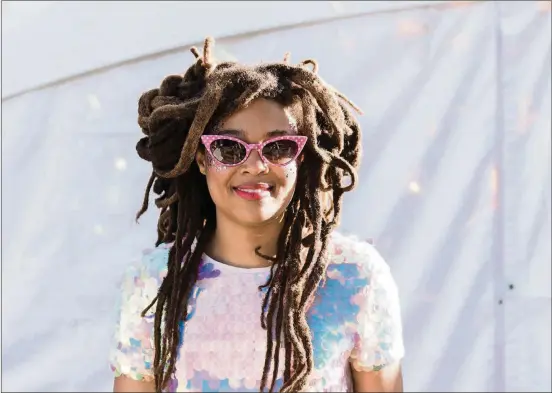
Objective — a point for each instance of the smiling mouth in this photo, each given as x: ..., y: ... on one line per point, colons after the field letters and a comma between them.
x: 253, y: 193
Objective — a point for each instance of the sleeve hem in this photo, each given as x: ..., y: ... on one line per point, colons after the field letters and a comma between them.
x: 148, y: 377
x: 358, y: 365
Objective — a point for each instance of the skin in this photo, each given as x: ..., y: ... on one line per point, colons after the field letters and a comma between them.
x: 124, y: 384
x: 388, y: 379
x: 243, y: 225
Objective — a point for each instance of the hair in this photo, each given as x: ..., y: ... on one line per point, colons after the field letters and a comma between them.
x: 173, y: 117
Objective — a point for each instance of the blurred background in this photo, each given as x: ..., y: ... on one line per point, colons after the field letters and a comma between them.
x: 455, y: 185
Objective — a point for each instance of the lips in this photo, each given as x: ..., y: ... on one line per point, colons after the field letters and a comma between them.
x: 253, y: 191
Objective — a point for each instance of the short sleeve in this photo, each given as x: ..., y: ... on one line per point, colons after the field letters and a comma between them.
x: 132, y: 351
x: 378, y: 339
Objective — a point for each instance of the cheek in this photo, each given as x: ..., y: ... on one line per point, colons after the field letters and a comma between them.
x: 217, y: 176
x: 290, y: 173
x: 214, y: 166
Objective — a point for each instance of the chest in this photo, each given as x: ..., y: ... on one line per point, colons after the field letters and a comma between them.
x: 224, y: 346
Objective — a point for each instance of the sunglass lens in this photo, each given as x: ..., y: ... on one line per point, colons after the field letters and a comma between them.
x: 227, y: 151
x: 280, y: 152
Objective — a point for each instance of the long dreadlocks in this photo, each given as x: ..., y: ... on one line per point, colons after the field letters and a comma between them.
x: 173, y: 117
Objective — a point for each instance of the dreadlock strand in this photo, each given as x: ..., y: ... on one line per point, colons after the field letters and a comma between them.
x: 160, y: 341
x: 317, y: 273
x: 195, y: 52
x: 181, y: 262
x: 269, y: 343
x: 305, y: 365
x: 311, y: 128
x: 326, y: 156
x: 268, y: 286
x: 288, y: 352
x: 205, y: 110
x: 178, y: 311
x: 207, y: 51
x: 164, y: 202
x: 325, y: 98
x: 287, y: 57
x: 145, y: 109
x: 145, y: 202
x: 349, y: 102
x: 281, y: 283
x: 278, y: 330
x: 312, y: 62
x: 305, y: 336
x: 299, y: 355
x: 276, y: 293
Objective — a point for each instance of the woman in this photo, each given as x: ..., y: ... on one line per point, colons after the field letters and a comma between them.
x: 248, y: 288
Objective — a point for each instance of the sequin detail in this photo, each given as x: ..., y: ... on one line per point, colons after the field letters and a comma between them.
x: 354, y: 319
x: 215, y: 165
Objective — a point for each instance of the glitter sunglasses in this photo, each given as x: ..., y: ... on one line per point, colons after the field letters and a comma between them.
x: 230, y: 151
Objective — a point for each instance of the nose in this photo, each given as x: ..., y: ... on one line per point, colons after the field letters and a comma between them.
x: 254, y: 163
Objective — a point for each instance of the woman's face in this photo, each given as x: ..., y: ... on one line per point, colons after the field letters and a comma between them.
x: 255, y: 191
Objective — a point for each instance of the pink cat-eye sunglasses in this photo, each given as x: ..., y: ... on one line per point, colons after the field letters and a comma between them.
x: 230, y: 151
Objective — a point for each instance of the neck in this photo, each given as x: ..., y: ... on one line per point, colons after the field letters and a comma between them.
x: 235, y: 244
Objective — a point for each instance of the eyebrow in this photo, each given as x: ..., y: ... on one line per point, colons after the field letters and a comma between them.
x: 241, y: 133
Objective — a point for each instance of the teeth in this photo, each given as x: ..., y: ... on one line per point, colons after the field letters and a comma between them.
x: 252, y: 191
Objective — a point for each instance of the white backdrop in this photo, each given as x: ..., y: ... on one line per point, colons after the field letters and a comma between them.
x: 455, y: 181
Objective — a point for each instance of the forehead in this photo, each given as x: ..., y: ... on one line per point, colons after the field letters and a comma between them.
x: 261, y: 116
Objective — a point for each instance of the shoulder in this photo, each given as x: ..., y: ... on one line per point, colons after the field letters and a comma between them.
x: 132, y: 352
x: 359, y: 271
x: 356, y: 276
x: 356, y: 260
x: 143, y: 276
x: 153, y: 263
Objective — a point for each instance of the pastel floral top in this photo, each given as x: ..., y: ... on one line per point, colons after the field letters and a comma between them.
x: 354, y: 320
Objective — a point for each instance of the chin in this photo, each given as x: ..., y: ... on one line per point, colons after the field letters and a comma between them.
x: 257, y: 218
x: 253, y: 213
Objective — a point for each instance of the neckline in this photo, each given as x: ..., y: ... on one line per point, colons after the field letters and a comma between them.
x: 234, y: 269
